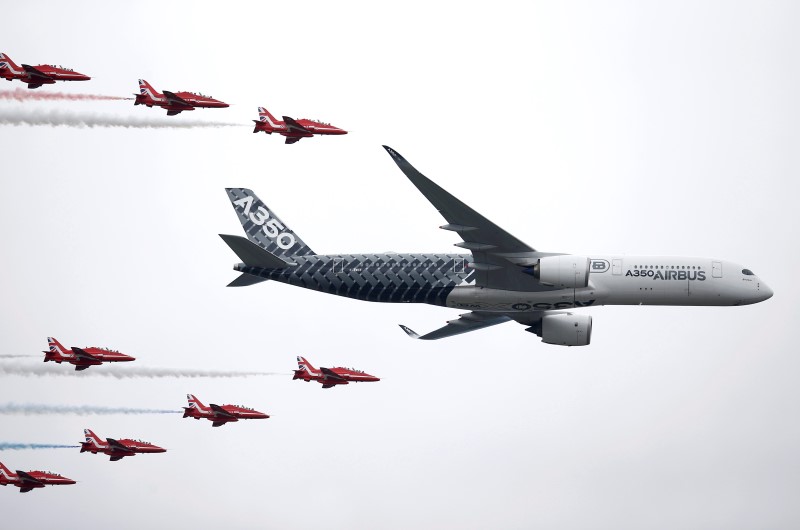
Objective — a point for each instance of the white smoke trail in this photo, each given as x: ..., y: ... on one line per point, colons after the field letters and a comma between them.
x: 21, y: 94
x: 119, y: 372
x: 11, y: 445
x: 16, y: 356
x: 27, y: 409
x: 60, y: 118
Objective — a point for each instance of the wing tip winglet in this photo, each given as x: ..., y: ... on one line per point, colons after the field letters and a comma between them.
x: 410, y: 332
x: 394, y: 154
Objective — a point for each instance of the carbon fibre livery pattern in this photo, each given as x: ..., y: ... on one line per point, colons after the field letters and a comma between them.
x: 416, y: 278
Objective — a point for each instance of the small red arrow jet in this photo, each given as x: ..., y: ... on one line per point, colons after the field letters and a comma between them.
x: 330, y: 376
x: 82, y: 358
x: 174, y: 102
x: 292, y: 129
x: 32, y: 479
x: 116, y: 449
x: 36, y: 76
x: 220, y: 414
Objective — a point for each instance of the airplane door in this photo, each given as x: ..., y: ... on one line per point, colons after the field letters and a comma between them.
x: 716, y: 269
x: 616, y: 267
x: 338, y: 265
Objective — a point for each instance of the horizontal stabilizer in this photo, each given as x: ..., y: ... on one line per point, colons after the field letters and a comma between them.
x: 253, y: 255
x: 246, y: 279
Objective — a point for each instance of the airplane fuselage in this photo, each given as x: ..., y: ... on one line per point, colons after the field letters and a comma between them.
x: 444, y: 280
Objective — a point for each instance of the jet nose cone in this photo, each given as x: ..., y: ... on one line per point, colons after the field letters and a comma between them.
x: 765, y: 291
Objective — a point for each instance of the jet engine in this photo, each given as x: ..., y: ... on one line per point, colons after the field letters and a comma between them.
x: 564, y: 329
x: 561, y: 271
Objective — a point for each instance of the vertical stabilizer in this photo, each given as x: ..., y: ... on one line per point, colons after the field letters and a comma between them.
x: 263, y: 227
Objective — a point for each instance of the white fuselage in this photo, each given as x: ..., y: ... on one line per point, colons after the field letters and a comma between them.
x: 630, y: 280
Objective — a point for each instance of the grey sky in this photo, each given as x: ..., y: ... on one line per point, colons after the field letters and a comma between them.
x: 632, y: 127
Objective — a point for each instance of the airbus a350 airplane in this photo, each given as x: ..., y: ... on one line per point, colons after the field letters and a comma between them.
x: 503, y: 279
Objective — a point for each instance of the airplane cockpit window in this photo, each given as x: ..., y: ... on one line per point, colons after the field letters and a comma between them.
x: 747, y: 272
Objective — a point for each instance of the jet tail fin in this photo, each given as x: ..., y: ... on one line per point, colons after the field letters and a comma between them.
x: 6, y: 62
x: 263, y: 227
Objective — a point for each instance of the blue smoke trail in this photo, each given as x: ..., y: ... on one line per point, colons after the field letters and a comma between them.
x: 4, y: 446
x: 33, y: 408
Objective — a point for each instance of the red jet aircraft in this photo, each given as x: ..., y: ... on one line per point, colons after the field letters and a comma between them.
x: 117, y: 449
x: 330, y: 376
x: 36, y: 76
x: 32, y: 479
x: 292, y: 129
x: 219, y: 414
x: 82, y: 358
x: 174, y: 102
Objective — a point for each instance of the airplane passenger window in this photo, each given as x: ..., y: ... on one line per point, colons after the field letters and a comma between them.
x: 747, y: 272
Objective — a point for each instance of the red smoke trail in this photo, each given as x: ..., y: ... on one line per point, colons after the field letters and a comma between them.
x: 21, y: 94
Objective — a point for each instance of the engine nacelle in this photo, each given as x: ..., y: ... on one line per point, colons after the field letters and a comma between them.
x: 565, y: 329
x: 561, y: 271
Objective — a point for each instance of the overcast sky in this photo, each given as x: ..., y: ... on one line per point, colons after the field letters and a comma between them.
x: 593, y: 128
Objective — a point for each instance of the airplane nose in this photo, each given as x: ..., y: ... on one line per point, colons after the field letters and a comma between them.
x: 765, y: 292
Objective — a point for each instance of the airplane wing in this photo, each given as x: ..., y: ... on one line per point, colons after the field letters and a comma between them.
x: 117, y: 457
x: 37, y: 76
x: 465, y: 323
x: 218, y: 423
x: 28, y: 482
x: 293, y: 126
x: 116, y: 446
x: 331, y: 375
x: 175, y: 100
x: 82, y: 355
x: 81, y: 367
x: 219, y: 411
x: 498, y: 255
x: 293, y: 139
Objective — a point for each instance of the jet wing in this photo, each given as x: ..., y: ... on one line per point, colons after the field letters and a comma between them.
x: 37, y: 76
x: 293, y: 139
x: 497, y: 254
x: 115, y: 446
x: 465, y: 323
x: 293, y: 126
x: 219, y: 411
x: 28, y: 482
x: 330, y: 375
x: 82, y: 355
x: 176, y: 101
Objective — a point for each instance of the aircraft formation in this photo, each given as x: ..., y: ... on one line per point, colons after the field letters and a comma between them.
x: 118, y: 448
x: 500, y: 279
x: 173, y: 102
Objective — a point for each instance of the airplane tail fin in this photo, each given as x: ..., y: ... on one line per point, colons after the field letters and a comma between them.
x: 146, y: 91
x: 194, y: 403
x: 304, y: 368
x: 264, y: 228
x: 7, y: 63
x: 91, y: 440
x: 5, y: 473
x: 265, y: 117
x: 55, y: 349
